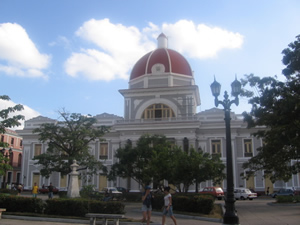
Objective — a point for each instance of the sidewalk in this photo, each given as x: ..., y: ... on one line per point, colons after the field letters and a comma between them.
x: 133, y: 211
x: 256, y: 212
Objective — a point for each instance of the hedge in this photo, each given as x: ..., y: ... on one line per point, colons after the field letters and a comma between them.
x: 79, y: 207
x: 288, y: 199
x: 63, y: 207
x: 14, y: 203
x: 9, y: 191
x: 186, y: 203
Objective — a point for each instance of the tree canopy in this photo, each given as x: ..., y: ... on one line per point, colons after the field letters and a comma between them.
x: 68, y: 140
x: 8, y: 121
x: 277, y: 108
x: 155, y: 159
x: 136, y: 162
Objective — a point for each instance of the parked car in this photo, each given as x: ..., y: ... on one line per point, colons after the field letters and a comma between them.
x: 257, y: 193
x: 45, y: 190
x: 63, y: 189
x: 110, y: 190
x: 244, y: 193
x: 122, y: 189
x: 283, y: 192
x: 111, y: 193
x: 215, y: 191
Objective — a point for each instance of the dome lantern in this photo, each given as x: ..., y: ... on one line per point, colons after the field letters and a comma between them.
x: 162, y: 41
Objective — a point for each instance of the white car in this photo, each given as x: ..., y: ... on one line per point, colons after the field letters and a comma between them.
x: 110, y: 190
x: 243, y: 194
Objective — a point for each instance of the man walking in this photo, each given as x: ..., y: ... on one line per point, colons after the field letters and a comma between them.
x: 50, y: 194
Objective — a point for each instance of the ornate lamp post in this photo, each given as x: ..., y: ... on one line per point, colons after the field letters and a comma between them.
x: 230, y: 216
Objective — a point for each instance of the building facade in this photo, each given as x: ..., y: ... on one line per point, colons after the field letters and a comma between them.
x: 162, y: 98
x: 13, y: 152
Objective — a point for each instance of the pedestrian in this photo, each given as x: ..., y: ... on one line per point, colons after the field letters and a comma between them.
x: 35, y: 190
x: 268, y: 190
x: 20, y: 187
x: 168, y: 207
x: 50, y: 194
x: 147, y: 204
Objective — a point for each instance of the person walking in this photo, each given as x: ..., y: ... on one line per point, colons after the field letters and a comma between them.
x: 268, y: 190
x: 147, y: 205
x: 19, y: 188
x: 168, y: 207
x: 50, y: 194
x: 35, y: 190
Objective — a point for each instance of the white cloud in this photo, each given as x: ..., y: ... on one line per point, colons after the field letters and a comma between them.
x: 61, y: 41
x: 18, y: 54
x: 200, y: 41
x: 117, y: 47
x: 28, y: 112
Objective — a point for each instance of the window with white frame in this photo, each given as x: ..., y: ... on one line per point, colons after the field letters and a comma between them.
x: 248, y: 152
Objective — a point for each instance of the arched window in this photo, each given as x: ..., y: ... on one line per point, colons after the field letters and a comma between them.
x: 158, y: 111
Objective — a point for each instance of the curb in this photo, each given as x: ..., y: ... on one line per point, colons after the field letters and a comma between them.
x: 78, y: 221
x: 45, y: 219
x: 185, y: 217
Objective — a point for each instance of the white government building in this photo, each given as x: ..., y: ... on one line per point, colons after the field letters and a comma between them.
x: 162, y: 98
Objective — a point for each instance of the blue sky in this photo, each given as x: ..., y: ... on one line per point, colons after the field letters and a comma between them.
x: 77, y: 54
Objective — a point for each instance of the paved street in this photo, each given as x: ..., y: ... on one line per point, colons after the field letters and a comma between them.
x: 256, y: 212
x: 262, y: 211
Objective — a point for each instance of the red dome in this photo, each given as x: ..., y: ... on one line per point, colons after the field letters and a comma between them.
x: 173, y: 62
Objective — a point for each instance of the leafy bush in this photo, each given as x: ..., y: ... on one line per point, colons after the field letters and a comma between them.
x: 96, y: 196
x: 62, y: 194
x: 187, y: 203
x: 87, y: 190
x: 204, y: 204
x: 79, y: 207
x: 21, y: 204
x: 66, y: 207
x: 8, y: 191
x: 132, y: 197
x: 287, y: 199
x: 157, y: 202
x: 297, y: 198
x: 114, y: 207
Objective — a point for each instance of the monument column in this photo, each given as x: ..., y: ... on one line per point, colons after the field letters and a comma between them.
x: 73, y: 189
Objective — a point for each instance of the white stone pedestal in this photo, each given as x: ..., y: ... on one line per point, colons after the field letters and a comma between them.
x: 73, y: 189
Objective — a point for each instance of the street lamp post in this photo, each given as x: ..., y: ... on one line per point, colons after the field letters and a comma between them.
x: 230, y: 216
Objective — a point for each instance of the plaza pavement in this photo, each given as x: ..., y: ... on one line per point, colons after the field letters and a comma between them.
x: 257, y: 212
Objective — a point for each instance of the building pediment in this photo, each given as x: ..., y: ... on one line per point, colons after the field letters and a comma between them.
x: 107, y: 116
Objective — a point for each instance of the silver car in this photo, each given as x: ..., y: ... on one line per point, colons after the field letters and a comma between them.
x: 283, y: 192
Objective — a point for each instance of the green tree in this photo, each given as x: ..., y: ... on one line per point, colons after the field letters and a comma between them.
x: 194, y: 167
x: 68, y: 140
x: 8, y: 121
x: 277, y: 108
x: 154, y: 159
x: 137, y: 162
